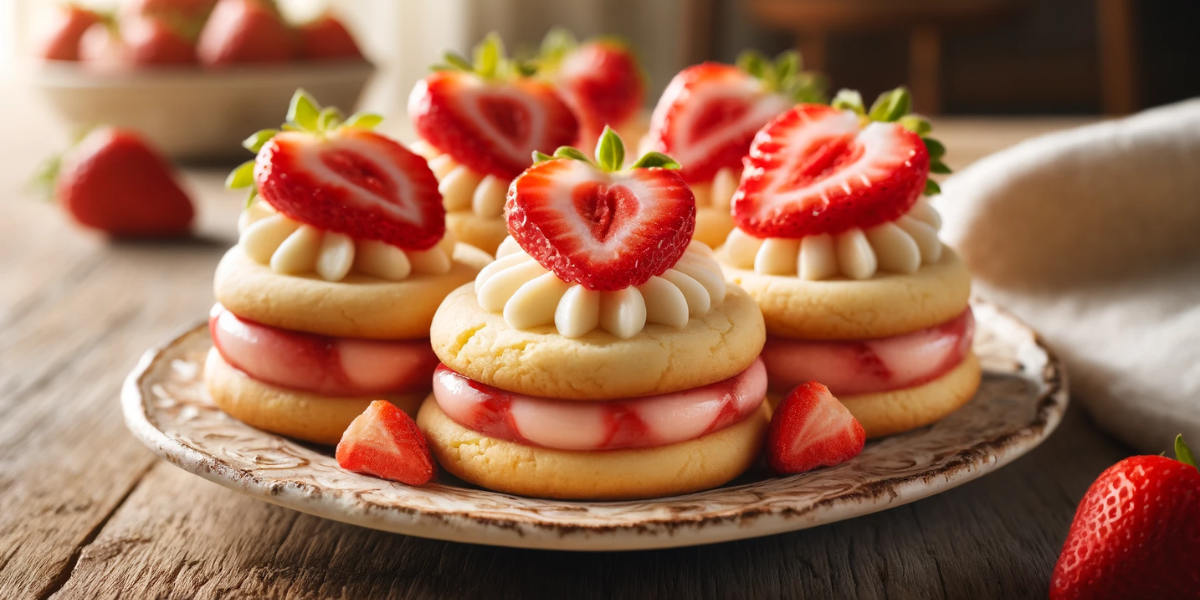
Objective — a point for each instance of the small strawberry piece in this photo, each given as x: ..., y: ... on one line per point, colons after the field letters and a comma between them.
x: 816, y: 170
x: 113, y: 181
x: 811, y: 429
x: 353, y: 181
x: 602, y: 82
x: 708, y: 116
x: 385, y: 442
x: 326, y: 38
x: 245, y: 31
x: 1136, y: 533
x: 151, y: 41
x: 605, y: 231
x: 61, y: 41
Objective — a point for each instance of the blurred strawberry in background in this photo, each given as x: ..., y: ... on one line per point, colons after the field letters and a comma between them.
x: 61, y: 41
x: 600, y: 79
x: 326, y: 38
x: 245, y: 31
x: 115, y: 182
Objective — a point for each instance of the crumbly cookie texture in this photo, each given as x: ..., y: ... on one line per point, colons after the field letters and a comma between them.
x: 484, y: 233
x: 357, y: 306
x: 897, y: 411
x: 690, y: 466
x: 597, y: 365
x: 842, y: 309
x: 302, y: 415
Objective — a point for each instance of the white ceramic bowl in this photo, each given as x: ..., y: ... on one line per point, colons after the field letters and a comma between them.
x: 194, y: 114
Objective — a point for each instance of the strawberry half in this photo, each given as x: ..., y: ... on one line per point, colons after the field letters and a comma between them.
x: 811, y: 429
x: 600, y: 79
x: 385, y: 442
x: 344, y: 177
x: 709, y: 113
x: 1136, y: 533
x: 599, y: 227
x: 490, y: 115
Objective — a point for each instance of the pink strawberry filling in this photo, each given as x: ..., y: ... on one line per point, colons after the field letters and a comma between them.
x: 321, y: 364
x: 879, y: 365
x: 609, y: 425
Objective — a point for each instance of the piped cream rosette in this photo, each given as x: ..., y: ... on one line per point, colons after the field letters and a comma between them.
x: 463, y: 188
x: 528, y: 295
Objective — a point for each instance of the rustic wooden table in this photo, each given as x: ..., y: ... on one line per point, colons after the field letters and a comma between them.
x: 87, y: 512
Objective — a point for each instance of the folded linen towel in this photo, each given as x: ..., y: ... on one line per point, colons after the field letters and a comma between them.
x: 1093, y: 237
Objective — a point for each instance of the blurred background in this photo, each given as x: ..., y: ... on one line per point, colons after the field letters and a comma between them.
x: 959, y: 56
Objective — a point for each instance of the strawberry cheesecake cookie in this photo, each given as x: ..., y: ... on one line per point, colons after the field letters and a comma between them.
x: 707, y: 117
x: 602, y: 355
x: 325, y: 302
x: 479, y: 123
x: 842, y: 254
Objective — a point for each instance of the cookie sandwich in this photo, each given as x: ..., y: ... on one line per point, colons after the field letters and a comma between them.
x: 325, y: 302
x: 835, y: 242
x: 602, y: 355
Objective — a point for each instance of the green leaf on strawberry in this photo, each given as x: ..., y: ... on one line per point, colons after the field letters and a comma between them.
x: 490, y: 61
x: 610, y: 155
x: 785, y: 75
x: 1183, y: 454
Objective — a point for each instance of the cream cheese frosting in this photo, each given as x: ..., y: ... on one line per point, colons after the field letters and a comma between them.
x: 462, y: 188
x: 717, y: 193
x: 899, y: 246
x: 529, y: 295
x: 292, y: 248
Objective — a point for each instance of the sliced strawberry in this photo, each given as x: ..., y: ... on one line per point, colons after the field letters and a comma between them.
x: 811, y: 429
x: 326, y: 38
x: 816, y: 169
x: 600, y: 79
x: 245, y: 31
x: 385, y: 442
x: 61, y: 40
x: 115, y: 182
x: 490, y: 116
x: 602, y: 229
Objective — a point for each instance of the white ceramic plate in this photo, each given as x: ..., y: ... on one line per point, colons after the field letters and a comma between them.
x: 191, y: 113
x: 1021, y: 400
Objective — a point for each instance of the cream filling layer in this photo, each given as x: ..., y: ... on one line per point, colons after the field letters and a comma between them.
x: 462, y: 188
x: 529, y: 295
x: 900, y: 246
x: 292, y: 248
x: 718, y: 193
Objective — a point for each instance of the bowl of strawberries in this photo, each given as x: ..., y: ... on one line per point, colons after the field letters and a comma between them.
x: 193, y: 75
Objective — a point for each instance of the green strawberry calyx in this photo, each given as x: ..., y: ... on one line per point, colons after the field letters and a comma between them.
x: 1183, y: 454
x: 895, y: 106
x: 305, y: 115
x: 489, y: 61
x: 610, y: 155
x: 785, y: 75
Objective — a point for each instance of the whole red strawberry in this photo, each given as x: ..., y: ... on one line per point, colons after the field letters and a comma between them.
x: 709, y: 113
x: 820, y: 169
x: 593, y: 224
x: 326, y: 38
x: 154, y: 41
x: 184, y: 17
x: 490, y: 115
x: 115, y: 182
x: 600, y: 79
x: 385, y: 442
x: 1136, y: 533
x: 245, y: 31
x: 811, y: 429
x: 340, y: 175
x: 61, y: 40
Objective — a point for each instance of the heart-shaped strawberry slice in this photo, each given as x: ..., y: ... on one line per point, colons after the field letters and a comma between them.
x: 353, y: 181
x: 603, y: 230
x: 815, y: 169
x: 489, y: 116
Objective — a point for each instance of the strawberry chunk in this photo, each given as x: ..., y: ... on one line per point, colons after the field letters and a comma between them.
x: 385, y: 442
x: 352, y: 181
x: 816, y: 169
x: 811, y: 429
x: 603, y: 230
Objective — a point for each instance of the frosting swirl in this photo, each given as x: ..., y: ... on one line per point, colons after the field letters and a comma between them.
x: 900, y: 246
x: 530, y: 296
x: 462, y: 188
x: 291, y: 248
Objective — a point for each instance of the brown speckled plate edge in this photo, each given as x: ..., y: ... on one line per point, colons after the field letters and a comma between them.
x: 1022, y: 400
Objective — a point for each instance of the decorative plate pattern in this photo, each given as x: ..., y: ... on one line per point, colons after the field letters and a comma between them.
x: 1020, y: 402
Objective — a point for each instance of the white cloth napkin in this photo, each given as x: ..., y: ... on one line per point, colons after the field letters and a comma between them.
x: 1092, y: 236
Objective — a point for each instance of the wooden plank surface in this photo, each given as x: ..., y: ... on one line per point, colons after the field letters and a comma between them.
x: 86, y: 512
